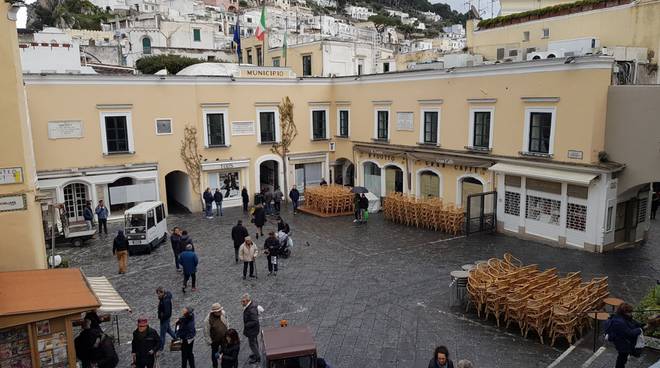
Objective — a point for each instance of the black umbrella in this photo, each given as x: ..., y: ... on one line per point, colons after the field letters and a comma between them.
x: 359, y: 190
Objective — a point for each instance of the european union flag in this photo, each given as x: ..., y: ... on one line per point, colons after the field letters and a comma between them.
x: 237, y: 39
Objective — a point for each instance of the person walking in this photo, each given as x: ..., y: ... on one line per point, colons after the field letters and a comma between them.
x: 259, y: 219
x: 246, y: 199
x: 189, y: 261
x: 102, y: 215
x: 215, y: 332
x: 120, y: 249
x: 364, y: 207
x: 88, y: 215
x: 145, y: 345
x: 277, y: 198
x: 208, y: 203
x: 175, y: 239
x: 251, y: 326
x: 185, y: 330
x: 268, y: 199
x: 230, y: 352
x: 271, y: 249
x: 164, y: 315
x: 248, y: 253
x: 218, y: 197
x: 294, y: 194
x: 357, y: 208
x: 441, y: 358
x: 623, y: 331
x: 238, y: 234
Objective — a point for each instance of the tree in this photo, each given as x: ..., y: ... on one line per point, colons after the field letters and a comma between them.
x: 288, y: 133
x: 383, y: 21
x: 173, y: 63
x: 77, y: 14
x: 191, y: 157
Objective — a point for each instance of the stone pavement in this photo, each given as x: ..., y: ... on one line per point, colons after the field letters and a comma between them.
x: 374, y: 295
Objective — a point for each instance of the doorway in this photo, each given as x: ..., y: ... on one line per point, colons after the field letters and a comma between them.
x: 75, y: 197
x: 177, y: 187
x: 269, y: 175
x: 393, y: 180
x: 118, y: 205
x: 470, y: 186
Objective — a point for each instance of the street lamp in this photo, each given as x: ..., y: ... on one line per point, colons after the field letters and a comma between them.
x: 14, y: 7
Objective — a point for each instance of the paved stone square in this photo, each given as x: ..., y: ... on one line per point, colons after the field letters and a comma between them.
x: 374, y: 295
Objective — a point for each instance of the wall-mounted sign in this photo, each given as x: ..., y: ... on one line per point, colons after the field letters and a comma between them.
x: 11, y: 175
x: 242, y: 128
x: 404, y: 121
x: 13, y: 202
x: 576, y: 155
x: 65, y: 129
x: 265, y: 72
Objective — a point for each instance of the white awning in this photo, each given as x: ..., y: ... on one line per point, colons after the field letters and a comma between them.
x: 110, y: 299
x: 570, y: 177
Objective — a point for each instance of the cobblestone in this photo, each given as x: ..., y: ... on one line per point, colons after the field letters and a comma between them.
x: 374, y: 295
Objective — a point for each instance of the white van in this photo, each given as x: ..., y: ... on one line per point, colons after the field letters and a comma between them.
x: 145, y: 226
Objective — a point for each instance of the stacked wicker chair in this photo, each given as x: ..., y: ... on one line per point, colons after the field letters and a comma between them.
x: 536, y: 301
x: 329, y: 199
x: 426, y: 213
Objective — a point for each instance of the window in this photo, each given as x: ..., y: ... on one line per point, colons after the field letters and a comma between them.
x: 197, y: 34
x: 249, y: 56
x: 216, y: 130
x: 526, y: 36
x: 540, y: 132
x: 546, y: 32
x: 210, y: 58
x: 146, y: 46
x: 163, y: 126
x: 359, y: 69
x: 160, y: 213
x: 542, y: 209
x: 276, y: 62
x: 386, y: 67
x: 116, y: 133
x: 382, y: 124
x: 610, y: 211
x: 500, y: 53
x: 576, y: 217
x: 307, y: 65
x: 267, y: 126
x: 151, y: 221
x: 512, y: 203
x: 319, y: 128
x: 430, y: 127
x: 343, y: 123
x: 481, y: 136
x: 260, y: 61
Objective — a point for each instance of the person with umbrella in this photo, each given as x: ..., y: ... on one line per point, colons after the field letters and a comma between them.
x: 357, y: 202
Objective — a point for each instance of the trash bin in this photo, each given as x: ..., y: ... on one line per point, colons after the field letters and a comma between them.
x: 258, y: 199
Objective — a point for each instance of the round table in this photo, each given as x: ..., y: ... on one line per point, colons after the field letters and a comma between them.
x: 468, y: 267
x: 613, y: 302
x: 480, y: 262
x: 598, y: 317
x: 459, y: 274
x: 459, y: 279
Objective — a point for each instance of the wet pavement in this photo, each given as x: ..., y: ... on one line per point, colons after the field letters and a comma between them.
x: 374, y: 295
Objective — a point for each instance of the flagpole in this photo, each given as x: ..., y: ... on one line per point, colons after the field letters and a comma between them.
x: 263, y: 42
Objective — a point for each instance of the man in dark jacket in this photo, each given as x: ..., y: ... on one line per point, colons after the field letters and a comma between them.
x: 145, y: 345
x: 84, y: 343
x: 277, y: 198
x: 186, y: 332
x: 102, y: 214
x: 218, y: 197
x: 208, y: 203
x: 88, y: 215
x: 238, y: 234
x: 120, y: 249
x: 294, y: 194
x: 184, y: 241
x: 623, y: 331
x: 271, y: 248
x: 259, y: 217
x: 251, y: 327
x: 105, y: 354
x: 364, y: 206
x: 246, y: 199
x: 189, y: 261
x: 175, y: 238
x: 164, y: 315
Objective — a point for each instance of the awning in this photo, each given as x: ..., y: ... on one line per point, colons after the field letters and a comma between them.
x: 110, y: 299
x: 570, y: 177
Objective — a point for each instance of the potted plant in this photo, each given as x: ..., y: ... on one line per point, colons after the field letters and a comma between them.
x: 648, y: 309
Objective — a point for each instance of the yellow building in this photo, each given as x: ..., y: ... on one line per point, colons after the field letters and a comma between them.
x: 426, y: 133
x: 20, y: 213
x: 610, y: 23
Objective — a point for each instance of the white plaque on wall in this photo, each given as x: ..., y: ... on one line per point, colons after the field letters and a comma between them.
x: 404, y: 121
x: 13, y: 202
x: 242, y: 128
x: 65, y: 129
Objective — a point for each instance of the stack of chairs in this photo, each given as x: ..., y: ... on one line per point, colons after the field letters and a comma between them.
x: 426, y: 213
x: 537, y: 301
x: 329, y: 199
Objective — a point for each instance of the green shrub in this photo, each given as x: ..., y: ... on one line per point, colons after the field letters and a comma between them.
x: 649, y: 303
x: 173, y: 63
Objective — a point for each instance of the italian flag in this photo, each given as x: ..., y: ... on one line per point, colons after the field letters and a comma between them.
x: 261, y: 28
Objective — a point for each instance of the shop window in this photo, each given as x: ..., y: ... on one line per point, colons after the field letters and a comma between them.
x: 307, y: 65
x: 215, y: 129
x: 431, y: 127
x: 228, y: 182
x: 343, y: 123
x: 117, y: 133
x: 308, y: 175
x: 319, y: 122
x: 544, y: 210
x: 512, y: 203
x: 382, y: 124
x: 576, y: 217
x: 267, y: 126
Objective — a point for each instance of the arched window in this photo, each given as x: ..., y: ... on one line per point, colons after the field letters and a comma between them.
x: 429, y: 184
x: 146, y: 45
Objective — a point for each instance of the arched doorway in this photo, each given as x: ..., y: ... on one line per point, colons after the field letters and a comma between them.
x: 428, y: 184
x: 349, y: 175
x: 115, y: 202
x: 372, y: 178
x: 178, y: 189
x: 146, y: 45
x: 393, y: 179
x: 269, y: 175
x: 470, y: 185
x: 344, y: 171
x: 75, y: 197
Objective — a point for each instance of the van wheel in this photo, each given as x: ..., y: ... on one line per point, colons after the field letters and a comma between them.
x: 149, y: 248
x: 77, y: 243
x: 164, y: 238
